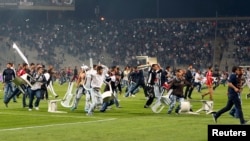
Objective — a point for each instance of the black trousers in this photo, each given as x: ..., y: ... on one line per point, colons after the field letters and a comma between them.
x: 233, y: 99
x: 188, y: 92
x: 151, y: 95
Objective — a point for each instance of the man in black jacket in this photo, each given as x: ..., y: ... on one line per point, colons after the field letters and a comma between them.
x: 8, y: 76
x: 139, y: 80
x: 156, y: 79
x: 189, y: 78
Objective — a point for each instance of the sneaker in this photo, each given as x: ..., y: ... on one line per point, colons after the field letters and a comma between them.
x: 202, y: 96
x: 214, y: 117
x: 72, y: 108
x: 177, y: 112
x: 129, y: 94
x: 146, y: 106
x: 29, y: 109
x: 37, y: 108
x: 6, y: 104
x: 102, y: 110
x: 245, y: 122
x: 232, y: 114
x: 133, y: 95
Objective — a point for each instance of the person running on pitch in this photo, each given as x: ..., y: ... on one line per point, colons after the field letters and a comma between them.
x: 233, y: 97
x: 156, y: 79
x: 80, y: 82
x: 96, y: 84
x: 178, y: 83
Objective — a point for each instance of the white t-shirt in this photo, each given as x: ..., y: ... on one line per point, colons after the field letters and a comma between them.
x: 197, y: 78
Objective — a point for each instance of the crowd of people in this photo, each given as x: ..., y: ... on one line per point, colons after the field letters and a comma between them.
x: 174, y: 42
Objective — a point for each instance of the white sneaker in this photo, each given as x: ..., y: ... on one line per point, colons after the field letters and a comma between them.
x: 37, y: 108
x: 30, y: 109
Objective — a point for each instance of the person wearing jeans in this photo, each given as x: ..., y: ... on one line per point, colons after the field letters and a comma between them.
x: 178, y: 83
x: 36, y: 89
x: 8, y: 75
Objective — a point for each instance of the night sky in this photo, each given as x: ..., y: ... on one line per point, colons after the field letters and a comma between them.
x: 162, y: 8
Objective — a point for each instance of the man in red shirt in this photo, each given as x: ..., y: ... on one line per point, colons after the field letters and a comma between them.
x: 209, y: 84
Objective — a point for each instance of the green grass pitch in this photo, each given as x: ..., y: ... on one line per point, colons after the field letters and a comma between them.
x: 132, y: 122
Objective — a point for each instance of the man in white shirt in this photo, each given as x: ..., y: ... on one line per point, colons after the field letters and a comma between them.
x: 96, y: 84
x: 197, y: 80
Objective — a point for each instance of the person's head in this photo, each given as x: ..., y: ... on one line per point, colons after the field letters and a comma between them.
x: 25, y: 66
x: 32, y: 66
x: 40, y: 70
x: 99, y: 70
x: 114, y: 69
x: 155, y: 67
x: 210, y: 68
x: 127, y: 68
x: 234, y: 69
x: 179, y: 72
x: 9, y: 65
x: 94, y: 66
x: 190, y: 66
x: 168, y: 68
x: 241, y: 71
x: 198, y: 71
x: 135, y: 68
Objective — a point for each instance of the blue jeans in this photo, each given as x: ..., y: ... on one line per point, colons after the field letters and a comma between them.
x: 16, y: 92
x: 124, y: 83
x: 8, y: 90
x: 105, y: 105
x: 130, y: 88
x: 62, y: 80
x: 26, y: 95
x: 34, y: 93
x: 175, y: 99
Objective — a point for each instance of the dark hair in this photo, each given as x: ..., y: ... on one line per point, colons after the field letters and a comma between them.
x: 210, y: 67
x: 99, y: 68
x: 38, y: 68
x: 94, y: 66
x: 153, y: 65
x: 167, y: 67
x: 234, y: 68
x: 178, y: 70
x: 25, y: 64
